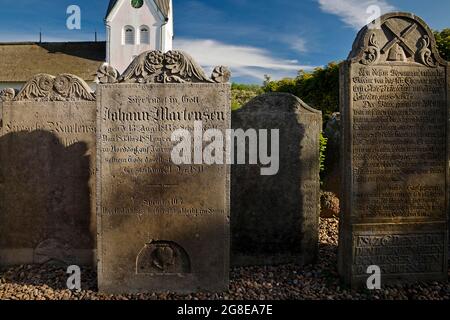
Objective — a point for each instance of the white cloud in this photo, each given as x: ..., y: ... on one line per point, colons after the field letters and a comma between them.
x: 354, y: 12
x: 244, y: 61
x: 296, y: 43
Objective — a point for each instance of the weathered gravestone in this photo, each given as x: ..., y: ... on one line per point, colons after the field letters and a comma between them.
x: 275, y: 217
x: 47, y: 172
x: 394, y: 92
x: 162, y: 226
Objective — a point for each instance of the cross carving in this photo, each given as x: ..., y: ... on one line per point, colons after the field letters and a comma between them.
x: 400, y: 37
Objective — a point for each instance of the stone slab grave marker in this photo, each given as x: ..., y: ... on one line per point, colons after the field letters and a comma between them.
x: 162, y: 226
x: 394, y: 105
x: 275, y: 218
x: 47, y: 172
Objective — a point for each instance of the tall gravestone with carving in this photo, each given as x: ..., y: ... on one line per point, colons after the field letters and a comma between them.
x: 47, y: 172
x: 162, y: 224
x: 394, y: 104
x: 275, y: 216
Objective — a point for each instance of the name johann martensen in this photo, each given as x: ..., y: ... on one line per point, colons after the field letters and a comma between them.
x: 163, y: 114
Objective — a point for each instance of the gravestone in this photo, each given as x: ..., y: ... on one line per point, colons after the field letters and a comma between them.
x: 275, y: 217
x: 332, y: 174
x: 162, y: 225
x: 47, y: 172
x: 394, y: 109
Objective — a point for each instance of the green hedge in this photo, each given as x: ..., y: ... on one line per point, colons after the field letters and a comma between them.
x: 319, y: 88
x: 443, y: 43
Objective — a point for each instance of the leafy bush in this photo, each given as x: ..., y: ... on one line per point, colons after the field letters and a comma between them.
x: 443, y: 43
x: 319, y: 89
x: 243, y: 93
x: 323, y: 149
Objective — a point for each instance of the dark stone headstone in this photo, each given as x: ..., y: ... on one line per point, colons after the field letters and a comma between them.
x: 275, y: 217
x: 394, y: 109
x: 47, y: 172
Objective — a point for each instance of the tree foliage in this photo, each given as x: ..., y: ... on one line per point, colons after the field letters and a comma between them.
x: 443, y: 43
x: 243, y: 93
x: 319, y: 88
x: 323, y: 151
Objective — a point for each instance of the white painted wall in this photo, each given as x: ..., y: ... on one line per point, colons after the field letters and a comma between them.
x: 168, y: 32
x: 119, y: 54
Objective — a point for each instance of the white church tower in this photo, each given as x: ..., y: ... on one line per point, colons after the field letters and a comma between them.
x: 135, y: 26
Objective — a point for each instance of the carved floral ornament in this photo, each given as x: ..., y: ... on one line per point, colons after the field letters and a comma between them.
x: 159, y: 67
x: 372, y: 52
x: 398, y: 42
x: 7, y: 94
x: 65, y: 87
x: 107, y: 74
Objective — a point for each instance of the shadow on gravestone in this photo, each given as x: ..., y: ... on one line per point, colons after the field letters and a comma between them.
x: 275, y: 218
x: 47, y: 211
x: 43, y: 207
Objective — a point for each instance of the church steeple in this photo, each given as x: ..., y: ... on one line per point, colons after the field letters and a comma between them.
x: 135, y: 26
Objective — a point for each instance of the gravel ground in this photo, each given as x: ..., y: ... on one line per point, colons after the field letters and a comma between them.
x: 319, y: 281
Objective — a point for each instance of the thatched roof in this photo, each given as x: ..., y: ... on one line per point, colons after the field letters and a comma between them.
x: 20, y: 61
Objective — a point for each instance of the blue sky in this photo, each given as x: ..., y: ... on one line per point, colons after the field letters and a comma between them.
x: 276, y: 37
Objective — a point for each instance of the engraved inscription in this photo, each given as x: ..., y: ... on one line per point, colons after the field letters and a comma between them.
x: 47, y: 165
x: 399, y: 253
x: 394, y: 108
x: 136, y: 144
x: 162, y: 226
x: 399, y: 141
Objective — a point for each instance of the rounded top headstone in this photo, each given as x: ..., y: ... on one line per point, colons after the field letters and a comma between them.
x: 277, y: 102
x: 396, y: 37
